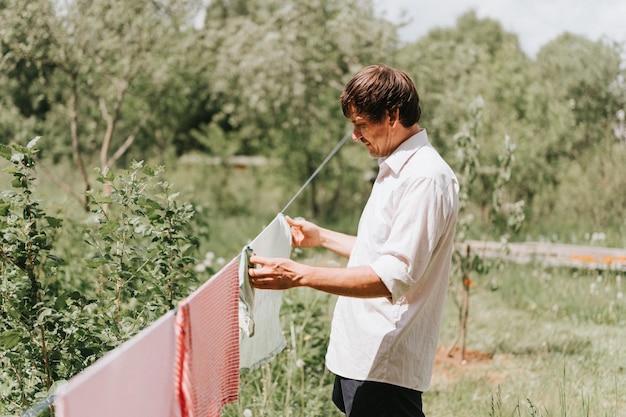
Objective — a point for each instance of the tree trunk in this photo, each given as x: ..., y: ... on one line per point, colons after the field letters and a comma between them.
x: 78, y: 158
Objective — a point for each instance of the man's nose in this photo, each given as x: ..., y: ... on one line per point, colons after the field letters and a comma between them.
x: 356, y: 134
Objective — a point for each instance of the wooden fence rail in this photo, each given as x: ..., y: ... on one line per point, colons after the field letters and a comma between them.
x: 553, y: 254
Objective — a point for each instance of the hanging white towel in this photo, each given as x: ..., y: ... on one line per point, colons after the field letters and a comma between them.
x: 266, y: 338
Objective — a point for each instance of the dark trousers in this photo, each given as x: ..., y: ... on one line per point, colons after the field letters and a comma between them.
x: 375, y: 399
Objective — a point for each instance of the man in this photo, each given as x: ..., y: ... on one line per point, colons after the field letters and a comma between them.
x: 386, y: 322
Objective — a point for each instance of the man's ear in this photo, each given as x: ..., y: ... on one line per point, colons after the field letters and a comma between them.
x: 394, y: 116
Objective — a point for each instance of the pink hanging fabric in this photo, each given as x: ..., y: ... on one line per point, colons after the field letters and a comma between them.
x: 182, y: 384
x: 133, y: 380
x: 206, y: 374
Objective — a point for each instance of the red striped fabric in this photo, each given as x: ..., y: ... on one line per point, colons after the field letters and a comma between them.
x: 182, y: 383
x: 207, y: 336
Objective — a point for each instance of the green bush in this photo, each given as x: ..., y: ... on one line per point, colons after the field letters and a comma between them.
x: 66, y: 301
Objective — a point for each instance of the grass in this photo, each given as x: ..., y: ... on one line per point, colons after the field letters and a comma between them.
x: 295, y: 382
x: 556, y: 346
x: 554, y: 338
x: 552, y: 341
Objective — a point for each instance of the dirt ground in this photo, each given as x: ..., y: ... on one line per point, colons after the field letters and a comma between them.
x: 453, y: 358
x: 450, y: 367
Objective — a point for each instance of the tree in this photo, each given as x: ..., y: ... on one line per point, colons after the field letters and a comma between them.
x: 102, y: 67
x: 559, y: 109
x: 454, y: 66
x: 505, y: 217
x: 577, y: 97
x: 279, y: 69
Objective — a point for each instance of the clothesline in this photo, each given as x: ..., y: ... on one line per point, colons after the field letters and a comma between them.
x: 38, y: 408
x: 319, y: 168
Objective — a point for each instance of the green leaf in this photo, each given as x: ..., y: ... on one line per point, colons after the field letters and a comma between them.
x: 95, y: 263
x: 10, y: 237
x: 107, y: 229
x: 5, y: 152
x: 17, y: 182
x: 151, y: 203
x: 106, y: 200
x: 148, y: 171
x: 52, y: 221
x: 45, y: 312
x: 10, y: 339
x: 56, y: 259
x: 61, y: 301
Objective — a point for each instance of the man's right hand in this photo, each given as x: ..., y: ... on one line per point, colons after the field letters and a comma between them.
x: 304, y: 234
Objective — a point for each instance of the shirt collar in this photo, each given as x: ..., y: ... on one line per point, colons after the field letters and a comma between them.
x: 403, y: 153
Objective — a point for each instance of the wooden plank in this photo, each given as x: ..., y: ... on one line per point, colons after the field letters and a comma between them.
x: 553, y: 254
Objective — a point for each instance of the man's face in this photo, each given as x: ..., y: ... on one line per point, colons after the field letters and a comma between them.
x: 376, y: 137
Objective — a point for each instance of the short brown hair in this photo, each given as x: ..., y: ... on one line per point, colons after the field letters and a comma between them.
x: 378, y: 89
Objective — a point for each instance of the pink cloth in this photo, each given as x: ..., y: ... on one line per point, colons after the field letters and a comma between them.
x: 207, y: 358
x: 133, y: 380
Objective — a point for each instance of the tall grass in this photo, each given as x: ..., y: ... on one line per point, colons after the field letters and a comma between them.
x: 555, y: 338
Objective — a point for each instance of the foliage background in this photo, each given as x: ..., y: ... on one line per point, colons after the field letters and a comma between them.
x: 108, y: 83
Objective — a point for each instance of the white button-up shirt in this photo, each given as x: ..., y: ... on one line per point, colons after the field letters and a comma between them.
x: 406, y: 234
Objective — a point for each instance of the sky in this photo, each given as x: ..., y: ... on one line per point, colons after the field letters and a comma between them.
x: 536, y: 22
